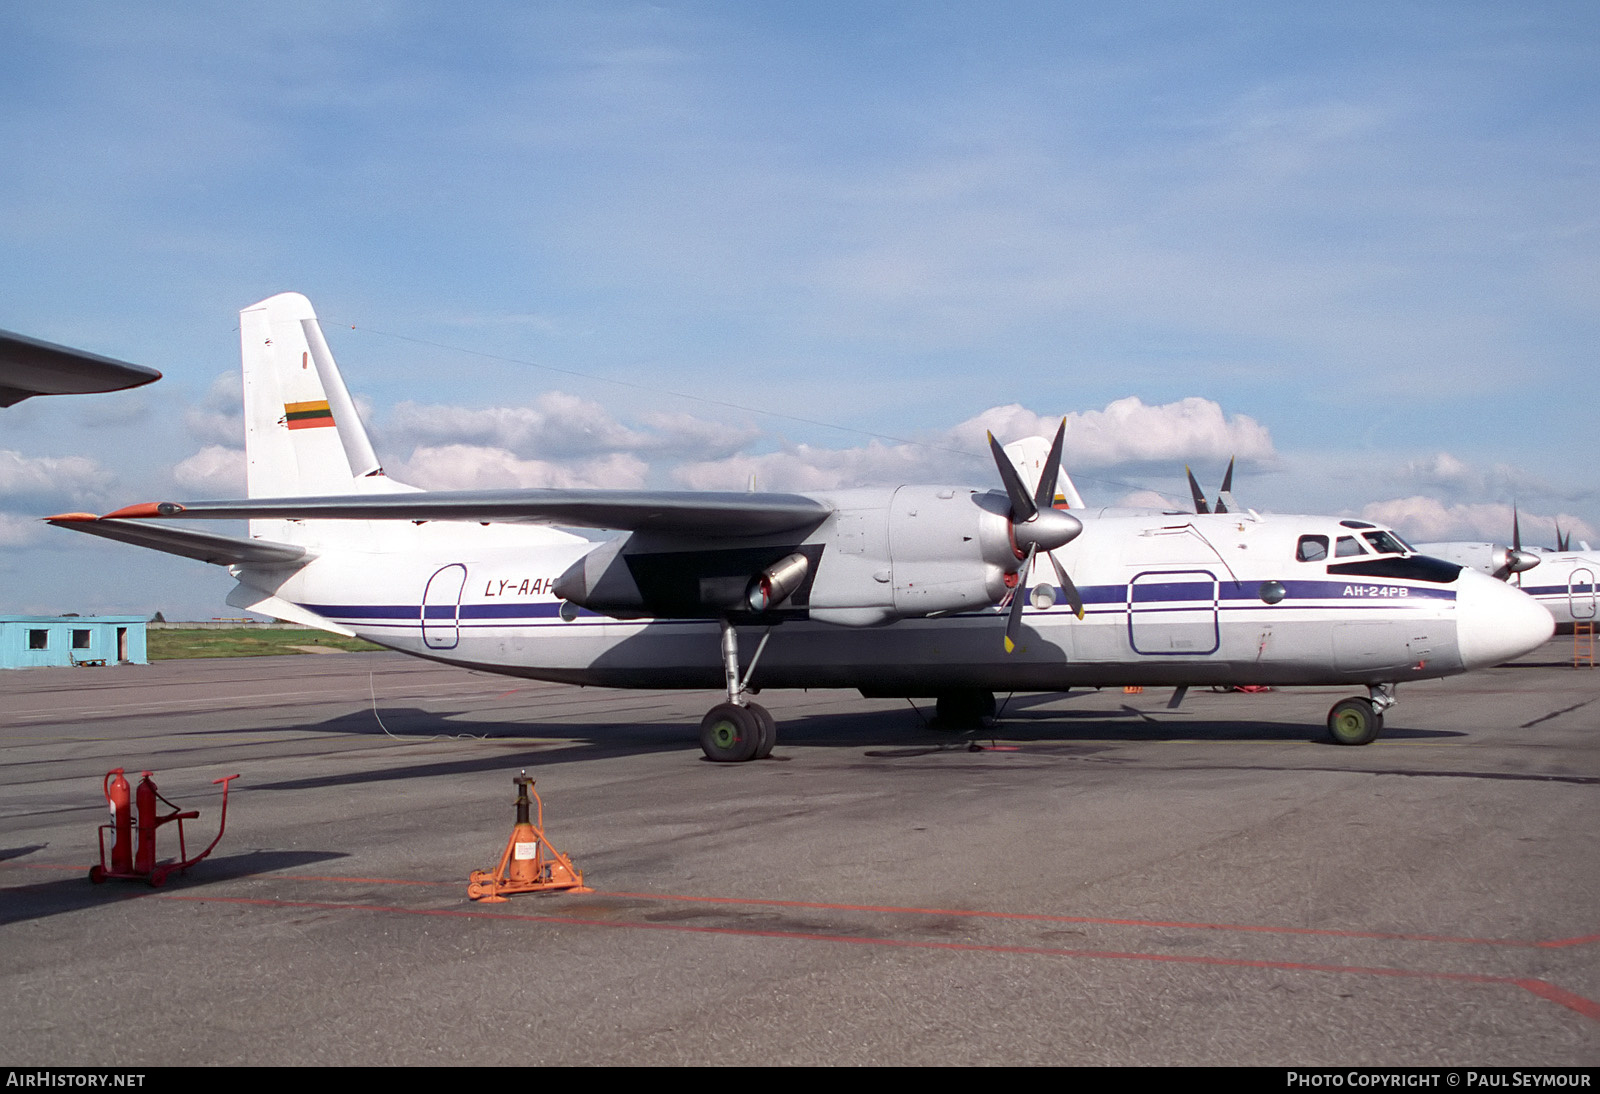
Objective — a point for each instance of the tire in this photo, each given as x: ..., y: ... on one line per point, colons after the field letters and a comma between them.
x: 963, y: 710
x: 729, y: 734
x: 1354, y: 722
x: 766, y: 731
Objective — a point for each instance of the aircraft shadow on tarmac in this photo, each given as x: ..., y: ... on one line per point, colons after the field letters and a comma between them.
x: 522, y: 743
x: 76, y: 892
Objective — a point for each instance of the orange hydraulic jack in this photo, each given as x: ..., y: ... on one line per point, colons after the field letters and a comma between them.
x: 529, y: 864
x: 141, y: 865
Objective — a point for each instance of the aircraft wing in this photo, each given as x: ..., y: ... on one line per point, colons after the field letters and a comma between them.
x: 29, y: 367
x: 678, y: 512
x: 205, y: 546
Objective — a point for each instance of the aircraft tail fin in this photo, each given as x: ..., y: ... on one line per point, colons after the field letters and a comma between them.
x: 303, y: 436
x: 1029, y: 455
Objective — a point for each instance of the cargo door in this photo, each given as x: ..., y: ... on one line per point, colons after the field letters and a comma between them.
x: 1173, y: 613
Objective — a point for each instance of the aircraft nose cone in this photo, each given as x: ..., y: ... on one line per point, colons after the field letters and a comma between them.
x: 1496, y: 622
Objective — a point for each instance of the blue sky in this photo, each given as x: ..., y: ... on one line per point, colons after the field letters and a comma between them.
x: 675, y: 244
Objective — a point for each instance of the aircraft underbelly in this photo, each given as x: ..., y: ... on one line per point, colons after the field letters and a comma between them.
x: 922, y: 657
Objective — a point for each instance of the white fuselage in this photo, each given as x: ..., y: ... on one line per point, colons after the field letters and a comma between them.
x: 1180, y: 600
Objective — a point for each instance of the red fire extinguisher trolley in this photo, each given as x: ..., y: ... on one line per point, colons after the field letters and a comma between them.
x: 138, y: 863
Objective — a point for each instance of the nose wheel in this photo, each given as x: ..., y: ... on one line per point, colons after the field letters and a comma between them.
x: 1359, y: 721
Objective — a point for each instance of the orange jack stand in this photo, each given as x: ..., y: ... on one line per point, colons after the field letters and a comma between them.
x: 529, y: 864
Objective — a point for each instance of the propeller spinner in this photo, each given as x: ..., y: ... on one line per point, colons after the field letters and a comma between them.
x: 1036, y: 525
x: 1516, y: 560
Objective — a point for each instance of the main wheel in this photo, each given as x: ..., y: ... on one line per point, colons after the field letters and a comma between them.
x: 1354, y: 722
x: 729, y: 734
x: 766, y: 731
x: 966, y: 709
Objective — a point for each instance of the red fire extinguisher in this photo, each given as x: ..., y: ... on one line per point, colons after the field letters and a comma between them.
x: 116, y: 792
x: 145, y: 797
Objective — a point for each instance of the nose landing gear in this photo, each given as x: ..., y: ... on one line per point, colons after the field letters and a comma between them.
x: 1359, y: 721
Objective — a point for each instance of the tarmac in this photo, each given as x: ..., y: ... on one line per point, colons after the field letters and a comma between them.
x: 1097, y: 879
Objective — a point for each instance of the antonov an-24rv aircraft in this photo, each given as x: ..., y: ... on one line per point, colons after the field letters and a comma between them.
x: 911, y: 591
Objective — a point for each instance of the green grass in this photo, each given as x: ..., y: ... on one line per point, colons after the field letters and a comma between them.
x: 165, y: 645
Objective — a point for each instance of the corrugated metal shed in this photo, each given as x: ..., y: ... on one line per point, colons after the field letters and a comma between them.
x: 36, y: 641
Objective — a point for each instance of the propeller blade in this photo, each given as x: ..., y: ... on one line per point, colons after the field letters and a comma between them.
x: 1563, y: 543
x: 1516, y: 546
x: 1225, y: 497
x: 1045, y: 496
x: 1022, y: 506
x: 1018, y: 595
x: 1200, y: 505
x: 1068, y: 589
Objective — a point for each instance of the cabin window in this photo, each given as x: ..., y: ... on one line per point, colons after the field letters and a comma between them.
x: 80, y: 640
x: 1312, y: 549
x: 1347, y: 546
x: 38, y: 640
x: 1384, y: 543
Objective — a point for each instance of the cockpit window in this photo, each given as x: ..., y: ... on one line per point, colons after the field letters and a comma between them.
x: 1312, y: 549
x: 1347, y: 546
x: 1385, y: 543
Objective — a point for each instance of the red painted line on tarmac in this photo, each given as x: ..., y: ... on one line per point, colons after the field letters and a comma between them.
x: 890, y: 909
x: 1546, y: 990
x: 1326, y: 932
x: 1581, y: 1005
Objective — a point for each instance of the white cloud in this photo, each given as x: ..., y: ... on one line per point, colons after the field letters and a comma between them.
x: 215, y: 470
x: 48, y: 476
x: 1129, y: 431
x: 219, y: 417
x: 1424, y: 519
x: 20, y: 531
x: 556, y: 424
x: 478, y: 467
x: 1125, y: 432
x: 559, y: 426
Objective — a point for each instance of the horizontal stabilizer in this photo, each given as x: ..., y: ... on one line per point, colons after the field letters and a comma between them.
x: 205, y: 546
x: 676, y: 512
x: 29, y: 367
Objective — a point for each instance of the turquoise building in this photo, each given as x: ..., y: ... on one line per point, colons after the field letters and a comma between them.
x: 35, y: 641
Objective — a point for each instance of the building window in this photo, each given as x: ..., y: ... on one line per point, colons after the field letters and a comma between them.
x: 80, y: 640
x: 38, y: 640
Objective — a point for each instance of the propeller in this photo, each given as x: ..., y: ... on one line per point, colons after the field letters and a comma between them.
x: 1563, y: 542
x: 1199, y: 495
x: 1225, y: 500
x: 1036, y: 524
x: 1517, y: 560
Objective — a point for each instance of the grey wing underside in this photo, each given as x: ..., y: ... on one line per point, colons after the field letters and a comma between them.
x: 29, y: 367
x: 691, y: 513
x: 204, y: 546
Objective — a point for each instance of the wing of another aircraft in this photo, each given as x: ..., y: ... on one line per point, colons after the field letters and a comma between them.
x: 205, y: 546
x: 691, y: 513
x: 29, y: 367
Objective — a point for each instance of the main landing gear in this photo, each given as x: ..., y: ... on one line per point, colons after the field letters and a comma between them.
x: 738, y: 730
x: 1359, y: 721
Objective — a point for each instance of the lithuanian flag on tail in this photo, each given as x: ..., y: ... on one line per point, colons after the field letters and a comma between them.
x: 310, y: 415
